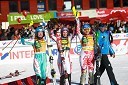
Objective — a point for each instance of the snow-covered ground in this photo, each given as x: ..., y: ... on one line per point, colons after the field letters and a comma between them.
x: 120, y: 68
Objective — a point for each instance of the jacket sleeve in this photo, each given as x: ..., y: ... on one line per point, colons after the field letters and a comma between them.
x: 110, y: 37
x: 99, y: 40
x: 52, y: 36
x: 78, y: 28
x: 111, y: 51
x: 24, y: 42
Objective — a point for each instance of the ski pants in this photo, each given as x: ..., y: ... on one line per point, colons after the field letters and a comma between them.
x: 105, y: 64
x: 64, y: 63
x: 87, y: 64
x: 40, y: 65
x: 67, y: 63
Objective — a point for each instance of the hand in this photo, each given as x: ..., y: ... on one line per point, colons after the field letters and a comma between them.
x: 51, y: 59
x: 62, y: 58
x: 113, y: 55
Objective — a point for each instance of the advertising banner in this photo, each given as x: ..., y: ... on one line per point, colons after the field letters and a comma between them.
x: 118, y: 36
x: 106, y: 12
x: 89, y: 13
x: 102, y: 12
x: 41, y: 6
x: 66, y: 14
x: 36, y: 18
x: 22, y: 52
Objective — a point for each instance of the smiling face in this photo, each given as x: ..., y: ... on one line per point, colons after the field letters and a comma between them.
x: 86, y: 31
x: 40, y: 34
x: 65, y: 33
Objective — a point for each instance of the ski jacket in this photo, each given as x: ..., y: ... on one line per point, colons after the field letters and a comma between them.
x: 104, y: 42
x: 87, y: 43
x: 38, y: 45
x: 62, y: 43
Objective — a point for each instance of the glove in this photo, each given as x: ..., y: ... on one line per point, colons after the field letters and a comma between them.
x: 53, y: 72
x: 62, y: 57
x: 51, y: 59
x: 112, y: 55
x: 23, y: 41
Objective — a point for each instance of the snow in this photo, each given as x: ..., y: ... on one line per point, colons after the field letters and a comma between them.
x: 119, y: 64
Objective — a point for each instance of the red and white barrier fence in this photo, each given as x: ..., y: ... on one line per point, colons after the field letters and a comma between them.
x: 26, y: 81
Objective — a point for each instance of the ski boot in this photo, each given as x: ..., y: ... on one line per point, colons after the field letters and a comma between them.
x: 62, y: 80
x: 82, y: 78
x: 41, y: 81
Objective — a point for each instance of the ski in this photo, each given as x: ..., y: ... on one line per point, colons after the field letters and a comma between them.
x: 98, y: 59
x: 51, y: 59
x: 10, y: 75
x: 63, y: 69
x: 98, y: 55
x: 53, y: 72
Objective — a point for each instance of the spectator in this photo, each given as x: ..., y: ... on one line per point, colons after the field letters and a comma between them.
x: 0, y: 32
x: 16, y: 35
x: 30, y: 32
x: 4, y: 36
x: 10, y: 32
x: 126, y: 27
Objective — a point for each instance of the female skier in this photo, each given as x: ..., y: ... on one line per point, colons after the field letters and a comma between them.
x: 87, y: 52
x: 40, y: 56
x: 63, y: 41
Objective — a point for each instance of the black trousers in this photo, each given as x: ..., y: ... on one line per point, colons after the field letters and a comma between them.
x: 105, y: 64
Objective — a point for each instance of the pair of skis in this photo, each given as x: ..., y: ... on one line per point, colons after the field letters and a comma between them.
x: 97, y: 74
x: 53, y: 72
x: 10, y: 75
x: 64, y: 71
x: 97, y: 52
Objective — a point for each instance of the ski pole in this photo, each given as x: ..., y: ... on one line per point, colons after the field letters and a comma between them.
x: 7, y: 44
x: 13, y: 46
x: 6, y: 54
x: 78, y: 25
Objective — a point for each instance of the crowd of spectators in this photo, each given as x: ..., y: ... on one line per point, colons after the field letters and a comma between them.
x: 118, y: 27
x: 13, y: 33
x: 29, y: 32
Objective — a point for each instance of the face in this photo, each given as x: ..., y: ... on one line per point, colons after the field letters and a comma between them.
x: 40, y: 34
x: 16, y: 32
x: 65, y: 33
x: 103, y: 29
x: 30, y: 29
x: 86, y: 31
x: 58, y: 34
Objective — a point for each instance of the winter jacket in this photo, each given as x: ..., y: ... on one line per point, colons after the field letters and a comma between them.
x: 104, y: 42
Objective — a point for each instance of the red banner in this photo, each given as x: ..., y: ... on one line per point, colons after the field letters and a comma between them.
x: 106, y: 12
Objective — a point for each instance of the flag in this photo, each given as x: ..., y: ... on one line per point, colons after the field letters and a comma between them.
x: 31, y: 23
x: 75, y: 12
